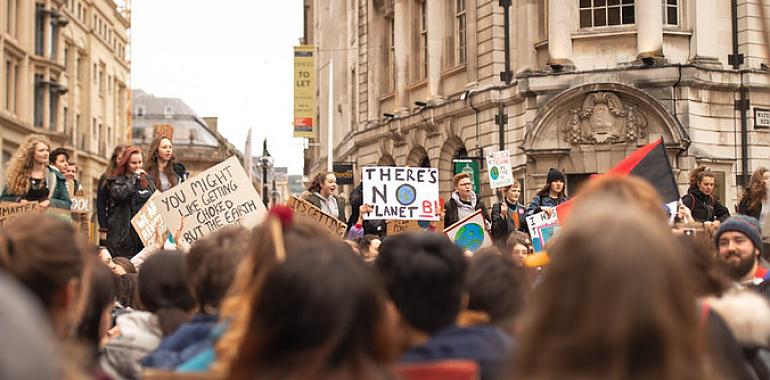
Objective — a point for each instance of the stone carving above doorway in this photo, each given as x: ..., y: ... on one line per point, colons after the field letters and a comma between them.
x: 603, y: 119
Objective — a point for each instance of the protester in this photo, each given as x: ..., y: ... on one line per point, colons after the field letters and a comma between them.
x: 102, y: 193
x: 26, y: 352
x: 463, y: 202
x: 162, y: 167
x: 211, y: 265
x: 755, y: 201
x: 368, y: 247
x: 425, y: 278
x: 508, y: 215
x: 615, y: 302
x: 321, y: 314
x: 49, y: 257
x: 700, y: 198
x: 518, y: 247
x: 550, y: 196
x: 322, y: 190
x: 371, y: 226
x: 270, y: 241
x: 59, y: 159
x: 125, y: 264
x: 166, y: 304
x: 739, y: 241
x: 127, y: 294
x: 97, y: 318
x: 72, y: 175
x: 29, y: 177
x: 497, y: 289
x: 129, y: 188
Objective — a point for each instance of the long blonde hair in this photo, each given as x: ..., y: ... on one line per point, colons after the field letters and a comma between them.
x: 20, y: 166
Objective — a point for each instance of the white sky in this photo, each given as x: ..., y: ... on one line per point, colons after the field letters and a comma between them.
x: 231, y: 58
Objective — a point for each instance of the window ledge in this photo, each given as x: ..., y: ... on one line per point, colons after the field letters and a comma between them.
x: 621, y: 31
x: 417, y: 84
x: 454, y: 70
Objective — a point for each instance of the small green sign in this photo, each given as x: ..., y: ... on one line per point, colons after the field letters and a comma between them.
x: 471, y: 167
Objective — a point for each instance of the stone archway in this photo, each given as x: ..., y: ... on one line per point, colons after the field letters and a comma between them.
x: 588, y: 129
x: 451, y: 146
x: 386, y: 160
x: 416, y: 156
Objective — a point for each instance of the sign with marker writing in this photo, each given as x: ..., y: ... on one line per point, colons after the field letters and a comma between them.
x: 394, y: 227
x: 217, y: 197
x: 469, y: 233
x: 499, y: 164
x: 80, y: 205
x: 303, y: 207
x: 148, y: 219
x: 542, y: 228
x: 11, y: 210
x: 398, y: 193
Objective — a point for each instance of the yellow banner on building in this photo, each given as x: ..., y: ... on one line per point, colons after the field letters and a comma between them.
x: 304, y: 91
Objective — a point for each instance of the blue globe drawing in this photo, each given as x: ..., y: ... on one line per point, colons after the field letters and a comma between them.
x: 406, y: 194
x: 494, y: 172
x: 470, y: 237
x: 424, y: 224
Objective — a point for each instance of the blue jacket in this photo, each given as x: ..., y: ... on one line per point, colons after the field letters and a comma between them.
x: 58, y: 195
x: 538, y: 202
x: 487, y: 345
x: 190, y: 339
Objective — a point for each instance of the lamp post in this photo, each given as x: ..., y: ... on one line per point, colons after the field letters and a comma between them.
x: 267, y: 161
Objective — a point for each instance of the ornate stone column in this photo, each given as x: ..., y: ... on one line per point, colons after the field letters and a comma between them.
x: 401, y: 47
x: 560, y: 33
x: 435, y: 9
x: 649, y: 34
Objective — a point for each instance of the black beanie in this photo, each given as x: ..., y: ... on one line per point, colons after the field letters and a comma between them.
x: 555, y: 175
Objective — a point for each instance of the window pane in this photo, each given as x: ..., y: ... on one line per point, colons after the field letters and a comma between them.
x: 628, y: 15
x: 613, y: 2
x: 585, y: 18
x: 672, y: 16
x: 585, y: 3
x: 613, y: 16
x: 600, y: 17
x: 600, y: 3
x: 628, y: 1
x: 672, y: 2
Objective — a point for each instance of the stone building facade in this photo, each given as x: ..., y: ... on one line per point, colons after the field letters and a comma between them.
x: 64, y: 73
x: 580, y: 85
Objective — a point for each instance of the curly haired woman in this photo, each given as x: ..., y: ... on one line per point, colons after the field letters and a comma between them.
x: 31, y: 179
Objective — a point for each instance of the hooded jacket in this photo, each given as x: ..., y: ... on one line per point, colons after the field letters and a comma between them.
x: 704, y: 208
x: 451, y: 208
x: 316, y: 200
x: 140, y: 334
x: 186, y: 342
x: 57, y: 190
x: 125, y: 199
x: 504, y: 225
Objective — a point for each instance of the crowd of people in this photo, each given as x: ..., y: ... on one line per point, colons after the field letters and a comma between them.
x: 629, y: 292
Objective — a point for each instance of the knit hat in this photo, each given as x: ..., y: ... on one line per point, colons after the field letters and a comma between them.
x: 744, y: 224
x: 555, y: 175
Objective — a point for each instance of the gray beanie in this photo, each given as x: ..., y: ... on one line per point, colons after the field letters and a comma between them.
x: 747, y: 225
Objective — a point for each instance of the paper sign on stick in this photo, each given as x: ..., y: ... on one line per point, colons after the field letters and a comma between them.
x: 398, y: 193
x: 542, y: 228
x: 148, y: 219
x: 469, y: 233
x: 10, y: 211
x: 394, y: 227
x: 303, y: 207
x: 499, y: 164
x: 217, y: 197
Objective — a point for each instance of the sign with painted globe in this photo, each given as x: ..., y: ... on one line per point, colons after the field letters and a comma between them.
x: 400, y: 193
x: 469, y: 233
x: 499, y: 164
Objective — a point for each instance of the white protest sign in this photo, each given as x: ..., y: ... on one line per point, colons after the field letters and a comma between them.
x: 398, y: 193
x: 219, y: 196
x: 80, y: 205
x: 148, y: 219
x: 542, y: 228
x: 469, y: 233
x: 499, y: 164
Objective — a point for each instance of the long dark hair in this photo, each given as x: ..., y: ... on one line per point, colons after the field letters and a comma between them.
x: 546, y: 191
x: 163, y: 290
x: 756, y: 191
x: 315, y: 185
x: 102, y: 294
x: 629, y: 293
x: 152, y: 162
x: 116, y: 154
x: 321, y: 315
x: 121, y: 168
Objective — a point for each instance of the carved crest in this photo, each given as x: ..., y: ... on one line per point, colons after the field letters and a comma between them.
x: 604, y: 120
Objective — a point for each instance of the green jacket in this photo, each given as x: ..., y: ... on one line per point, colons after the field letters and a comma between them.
x: 57, y: 194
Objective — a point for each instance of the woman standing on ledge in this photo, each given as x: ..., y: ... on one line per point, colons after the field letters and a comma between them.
x: 162, y: 167
x: 31, y: 179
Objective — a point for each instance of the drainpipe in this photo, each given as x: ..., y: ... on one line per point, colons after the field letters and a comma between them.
x: 507, y: 75
x: 743, y: 102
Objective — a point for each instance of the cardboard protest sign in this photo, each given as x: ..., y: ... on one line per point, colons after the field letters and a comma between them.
x: 397, y: 193
x: 303, y: 207
x: 542, y: 228
x: 469, y: 233
x: 11, y: 210
x: 217, y: 197
x: 394, y: 227
x: 80, y: 205
x: 499, y: 164
x: 148, y: 220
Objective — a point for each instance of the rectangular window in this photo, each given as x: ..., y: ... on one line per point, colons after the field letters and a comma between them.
x: 423, y: 44
x: 67, y: 52
x: 39, y: 29
x: 39, y: 100
x: 461, y: 25
x: 598, y: 13
x: 53, y: 106
x: 8, y: 84
x: 78, y: 67
x: 390, y: 69
x: 671, y: 12
x: 53, y: 38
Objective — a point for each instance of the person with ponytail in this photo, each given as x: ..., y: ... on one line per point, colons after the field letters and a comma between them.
x: 700, y: 198
x: 128, y: 189
x: 30, y: 178
x: 166, y: 303
x: 164, y: 171
x: 755, y: 201
x: 102, y: 194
